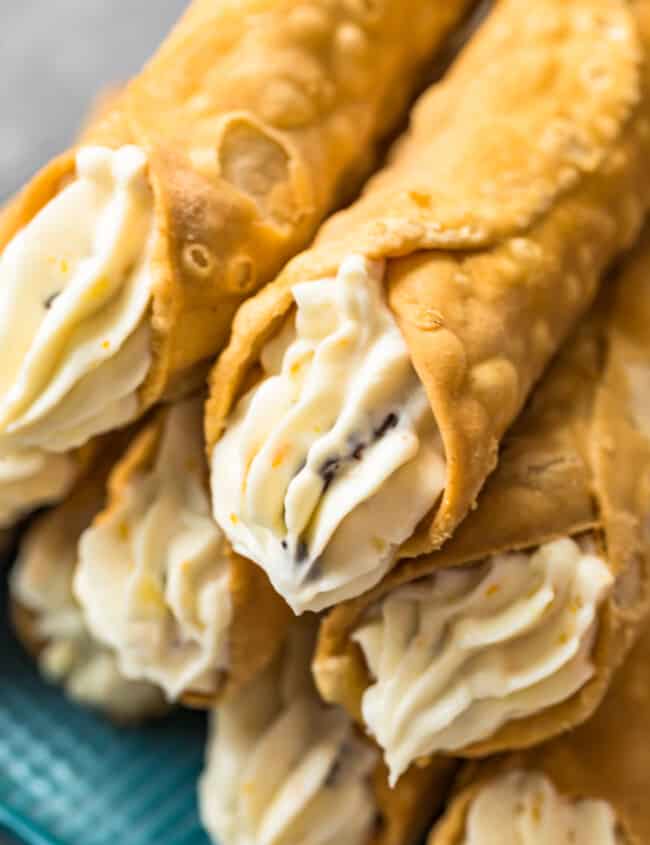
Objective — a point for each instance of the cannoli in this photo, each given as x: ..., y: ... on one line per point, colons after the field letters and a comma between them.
x: 282, y: 768
x: 511, y: 632
x: 124, y: 260
x: 588, y: 787
x: 157, y: 580
x: 33, y: 477
x: 49, y: 621
x: 358, y: 407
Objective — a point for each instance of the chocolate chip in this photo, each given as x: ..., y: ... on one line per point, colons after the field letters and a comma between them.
x: 48, y: 302
x: 328, y: 471
x: 389, y: 422
x: 302, y: 551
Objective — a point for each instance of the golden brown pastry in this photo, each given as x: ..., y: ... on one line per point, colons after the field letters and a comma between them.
x: 124, y: 260
x: 511, y: 632
x: 588, y: 787
x: 157, y: 580
x: 364, y: 393
x: 282, y: 767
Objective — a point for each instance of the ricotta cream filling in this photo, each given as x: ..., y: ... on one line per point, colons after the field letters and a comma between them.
x: 75, y: 286
x: 153, y: 576
x: 524, y: 808
x: 30, y: 479
x: 41, y: 582
x: 284, y: 769
x: 457, y: 655
x: 329, y: 463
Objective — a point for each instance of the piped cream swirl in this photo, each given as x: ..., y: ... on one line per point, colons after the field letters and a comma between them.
x: 459, y: 654
x: 153, y: 575
x: 31, y: 479
x: 75, y: 285
x: 524, y: 808
x: 329, y: 463
x: 41, y: 582
x: 284, y: 769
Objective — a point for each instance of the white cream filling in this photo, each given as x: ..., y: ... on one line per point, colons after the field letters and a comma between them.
x: 524, y: 808
x: 153, y: 576
x: 457, y: 655
x: 41, y: 581
x: 283, y: 769
x: 31, y: 479
x: 75, y: 285
x: 327, y: 466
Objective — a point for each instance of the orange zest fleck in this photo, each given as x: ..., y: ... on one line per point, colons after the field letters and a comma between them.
x: 420, y: 199
x: 280, y: 455
x: 492, y: 589
x: 106, y: 344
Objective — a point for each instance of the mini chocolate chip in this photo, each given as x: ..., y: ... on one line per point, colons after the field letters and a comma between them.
x: 48, y: 302
x: 328, y: 471
x: 358, y: 452
x: 389, y: 422
x: 285, y: 545
x: 302, y: 551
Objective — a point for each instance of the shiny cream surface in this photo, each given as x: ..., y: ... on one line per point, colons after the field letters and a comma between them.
x: 460, y: 653
x: 75, y: 286
x: 153, y: 576
x: 284, y: 769
x: 329, y: 463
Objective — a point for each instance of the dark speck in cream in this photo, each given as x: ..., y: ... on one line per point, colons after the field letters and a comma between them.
x: 389, y: 422
x: 48, y: 302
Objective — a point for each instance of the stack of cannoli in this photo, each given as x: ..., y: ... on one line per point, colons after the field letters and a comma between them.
x: 405, y: 520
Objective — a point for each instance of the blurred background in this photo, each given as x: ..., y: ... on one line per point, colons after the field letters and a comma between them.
x: 54, y: 56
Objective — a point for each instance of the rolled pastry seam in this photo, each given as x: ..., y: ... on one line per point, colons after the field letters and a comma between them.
x: 281, y: 766
x: 511, y: 632
x: 124, y: 260
x: 487, y: 259
x: 157, y: 580
x: 49, y: 621
x: 591, y: 783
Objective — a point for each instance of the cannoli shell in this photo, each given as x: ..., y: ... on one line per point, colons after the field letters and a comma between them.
x: 406, y: 810
x: 607, y: 758
x: 577, y: 460
x: 518, y: 182
x: 261, y: 618
x: 258, y: 118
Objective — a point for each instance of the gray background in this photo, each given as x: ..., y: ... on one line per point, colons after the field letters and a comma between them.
x: 54, y: 56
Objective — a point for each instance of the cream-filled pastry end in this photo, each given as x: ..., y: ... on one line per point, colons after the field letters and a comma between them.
x: 330, y: 462
x: 458, y: 654
x: 75, y: 286
x: 153, y: 575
